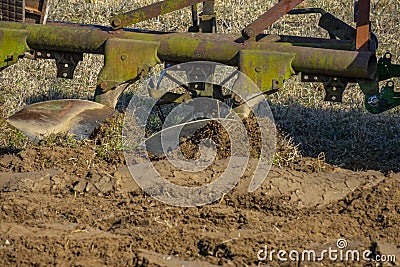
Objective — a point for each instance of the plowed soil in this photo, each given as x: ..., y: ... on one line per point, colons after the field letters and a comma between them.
x: 69, y: 207
x: 77, y: 205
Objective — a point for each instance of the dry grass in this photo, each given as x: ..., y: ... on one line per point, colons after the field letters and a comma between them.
x: 347, y: 135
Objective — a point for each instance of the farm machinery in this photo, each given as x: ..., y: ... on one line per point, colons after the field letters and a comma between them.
x: 347, y: 56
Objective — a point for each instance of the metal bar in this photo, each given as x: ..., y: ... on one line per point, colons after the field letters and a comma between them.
x: 363, y: 25
x: 207, y: 22
x: 337, y: 27
x: 36, y: 11
x: 269, y: 17
x: 303, y: 11
x: 150, y: 11
x: 185, y: 47
x: 317, y: 42
x: 195, y: 20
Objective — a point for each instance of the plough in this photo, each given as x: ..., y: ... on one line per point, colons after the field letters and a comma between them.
x: 347, y: 56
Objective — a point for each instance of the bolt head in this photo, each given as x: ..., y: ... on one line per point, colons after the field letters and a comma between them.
x: 373, y: 101
x: 237, y: 98
x: 249, y: 33
x: 116, y: 22
x: 104, y: 85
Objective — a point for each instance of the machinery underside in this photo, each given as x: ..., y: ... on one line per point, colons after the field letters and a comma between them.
x: 348, y: 56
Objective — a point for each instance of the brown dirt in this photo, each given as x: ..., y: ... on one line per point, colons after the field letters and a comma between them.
x: 68, y: 206
x: 78, y: 205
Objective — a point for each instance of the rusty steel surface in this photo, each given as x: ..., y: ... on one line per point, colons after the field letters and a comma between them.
x: 207, y: 18
x: 185, y: 47
x: 269, y: 17
x: 337, y: 27
x: 363, y: 25
x: 150, y: 11
x: 36, y: 11
x: 79, y: 117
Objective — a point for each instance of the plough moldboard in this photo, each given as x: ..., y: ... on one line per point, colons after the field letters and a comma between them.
x: 348, y: 56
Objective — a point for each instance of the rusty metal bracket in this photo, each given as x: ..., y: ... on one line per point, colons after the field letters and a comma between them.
x: 195, y: 20
x: 13, y: 46
x: 337, y: 27
x: 334, y: 89
x: 150, y: 11
x: 66, y: 62
x: 268, y: 70
x: 334, y: 86
x: 362, y: 11
x: 269, y: 17
x: 124, y: 61
x: 306, y: 77
x: 343, y: 31
x: 36, y: 11
x: 208, y: 22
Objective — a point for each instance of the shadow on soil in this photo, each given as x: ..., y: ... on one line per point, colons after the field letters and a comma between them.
x: 354, y: 139
x: 5, y: 150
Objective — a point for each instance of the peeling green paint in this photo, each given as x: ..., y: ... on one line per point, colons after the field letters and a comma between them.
x: 189, y: 48
x: 12, y: 46
x: 123, y: 63
x: 184, y: 47
x: 268, y: 70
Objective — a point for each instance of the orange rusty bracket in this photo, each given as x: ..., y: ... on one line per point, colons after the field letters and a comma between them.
x: 363, y: 25
x: 150, y: 11
x: 269, y: 17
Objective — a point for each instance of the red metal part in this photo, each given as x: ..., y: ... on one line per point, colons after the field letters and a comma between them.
x: 363, y: 25
x: 269, y: 17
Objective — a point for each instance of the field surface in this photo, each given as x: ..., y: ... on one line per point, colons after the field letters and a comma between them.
x: 334, y: 183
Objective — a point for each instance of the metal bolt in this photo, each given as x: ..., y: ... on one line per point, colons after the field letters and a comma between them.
x: 275, y: 84
x: 116, y: 22
x: 249, y: 33
x: 124, y: 57
x: 373, y: 101
x: 237, y: 98
x: 10, y: 59
x: 104, y: 85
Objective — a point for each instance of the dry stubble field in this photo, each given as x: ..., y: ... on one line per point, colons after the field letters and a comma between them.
x: 66, y: 203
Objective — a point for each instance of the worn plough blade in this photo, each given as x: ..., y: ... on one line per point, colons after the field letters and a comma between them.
x: 78, y: 117
x: 168, y: 139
